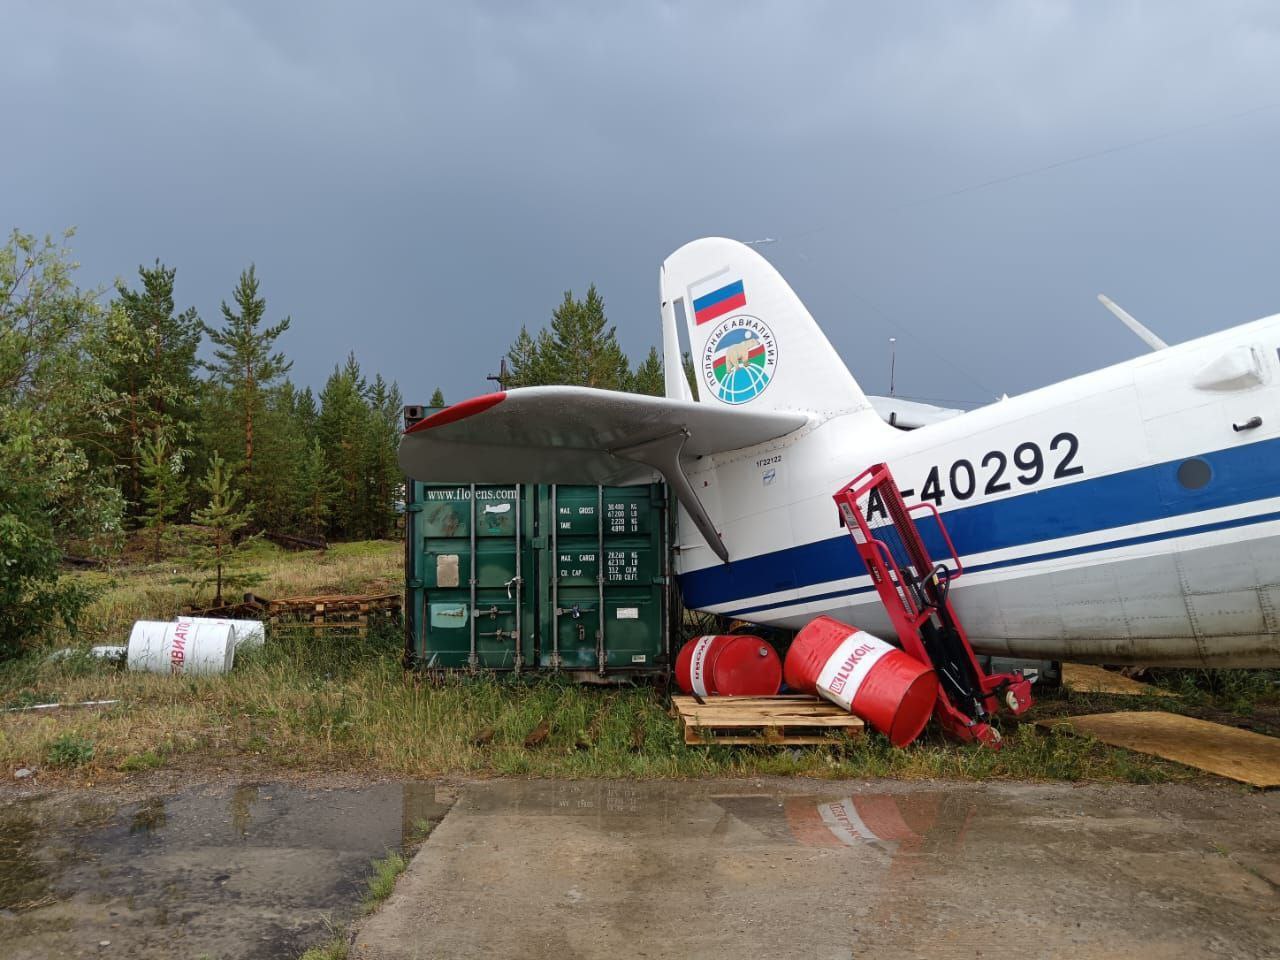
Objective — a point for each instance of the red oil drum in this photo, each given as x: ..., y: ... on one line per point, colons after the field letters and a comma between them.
x: 873, y: 680
x: 729, y: 666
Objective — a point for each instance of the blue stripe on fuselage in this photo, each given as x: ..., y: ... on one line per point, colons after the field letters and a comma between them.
x: 1240, y: 475
x: 1028, y: 558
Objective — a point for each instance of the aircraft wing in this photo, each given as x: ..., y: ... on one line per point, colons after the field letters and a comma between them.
x: 580, y: 435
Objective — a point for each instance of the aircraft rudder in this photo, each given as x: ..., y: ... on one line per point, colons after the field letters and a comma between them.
x: 753, y: 342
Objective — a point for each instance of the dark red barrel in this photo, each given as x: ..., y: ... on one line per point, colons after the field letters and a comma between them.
x: 729, y: 666
x: 873, y: 680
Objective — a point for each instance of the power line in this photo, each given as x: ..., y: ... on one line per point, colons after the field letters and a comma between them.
x: 1043, y: 168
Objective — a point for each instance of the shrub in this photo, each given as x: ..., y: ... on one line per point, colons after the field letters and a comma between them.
x: 68, y: 750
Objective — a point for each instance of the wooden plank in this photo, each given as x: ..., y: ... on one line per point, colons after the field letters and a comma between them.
x: 1226, y: 751
x: 1086, y: 678
x: 792, y: 698
x: 793, y: 720
x: 693, y: 738
x: 745, y: 709
x: 761, y: 712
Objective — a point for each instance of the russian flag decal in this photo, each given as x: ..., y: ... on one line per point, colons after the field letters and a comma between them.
x: 719, y: 302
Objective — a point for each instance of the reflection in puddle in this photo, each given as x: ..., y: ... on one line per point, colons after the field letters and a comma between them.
x: 892, y: 823
x: 250, y: 871
x: 150, y: 816
x: 24, y: 880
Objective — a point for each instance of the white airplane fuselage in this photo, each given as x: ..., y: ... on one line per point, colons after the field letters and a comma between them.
x: 1129, y: 515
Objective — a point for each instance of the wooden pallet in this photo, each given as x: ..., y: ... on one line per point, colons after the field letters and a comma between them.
x: 333, y: 612
x: 790, y: 720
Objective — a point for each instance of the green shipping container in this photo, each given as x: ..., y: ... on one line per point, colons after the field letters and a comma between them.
x: 549, y: 577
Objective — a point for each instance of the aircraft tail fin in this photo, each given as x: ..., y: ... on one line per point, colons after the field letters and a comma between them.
x: 754, y: 344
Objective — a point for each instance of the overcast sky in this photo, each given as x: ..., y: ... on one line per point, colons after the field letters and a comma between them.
x: 416, y: 180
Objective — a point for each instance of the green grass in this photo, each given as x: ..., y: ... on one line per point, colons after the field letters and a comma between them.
x: 69, y: 750
x: 336, y: 947
x: 137, y: 762
x: 304, y: 706
x: 1243, y: 692
x: 344, y: 703
x: 382, y: 881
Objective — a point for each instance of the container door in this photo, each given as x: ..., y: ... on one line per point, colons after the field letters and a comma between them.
x: 475, y: 609
x: 635, y: 542
x: 569, y: 572
x: 603, y: 578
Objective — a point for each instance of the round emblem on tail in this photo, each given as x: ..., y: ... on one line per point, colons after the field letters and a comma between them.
x: 739, y: 359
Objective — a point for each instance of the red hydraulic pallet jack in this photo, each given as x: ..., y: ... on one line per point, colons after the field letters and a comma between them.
x: 915, y: 593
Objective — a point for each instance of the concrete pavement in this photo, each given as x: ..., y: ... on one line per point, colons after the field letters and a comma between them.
x: 739, y: 869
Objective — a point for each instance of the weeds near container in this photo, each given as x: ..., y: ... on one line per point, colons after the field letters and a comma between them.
x: 68, y: 750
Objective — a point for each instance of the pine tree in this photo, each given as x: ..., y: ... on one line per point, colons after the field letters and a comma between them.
x: 223, y: 517
x: 528, y: 363
x: 148, y: 357
x: 164, y: 487
x: 316, y: 491
x: 244, y: 361
x: 648, y: 376
x: 585, y: 351
x: 383, y: 480
x: 305, y: 412
x: 342, y: 426
x: 437, y: 399
x: 581, y: 349
x: 686, y: 361
x: 282, y: 443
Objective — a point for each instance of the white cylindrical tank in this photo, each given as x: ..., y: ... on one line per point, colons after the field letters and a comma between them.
x: 184, y: 646
x: 249, y: 633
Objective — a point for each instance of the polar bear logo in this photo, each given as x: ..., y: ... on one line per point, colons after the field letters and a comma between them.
x: 738, y: 356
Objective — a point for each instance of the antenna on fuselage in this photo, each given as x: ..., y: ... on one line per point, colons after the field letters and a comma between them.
x: 1139, y: 330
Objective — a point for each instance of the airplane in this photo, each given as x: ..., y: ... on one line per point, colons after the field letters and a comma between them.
x: 1126, y: 516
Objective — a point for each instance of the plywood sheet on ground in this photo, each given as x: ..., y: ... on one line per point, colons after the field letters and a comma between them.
x: 1085, y: 678
x: 1237, y: 754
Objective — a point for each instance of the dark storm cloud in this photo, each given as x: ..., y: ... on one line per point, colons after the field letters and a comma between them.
x: 415, y: 182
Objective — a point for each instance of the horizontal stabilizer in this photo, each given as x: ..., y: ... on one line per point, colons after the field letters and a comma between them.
x: 580, y: 435
x: 572, y: 435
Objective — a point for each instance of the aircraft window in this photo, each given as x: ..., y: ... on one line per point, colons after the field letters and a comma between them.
x: 1194, y: 474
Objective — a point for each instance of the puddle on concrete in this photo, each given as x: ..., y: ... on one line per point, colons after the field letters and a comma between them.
x: 244, y: 871
x: 899, y: 823
x: 793, y: 868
